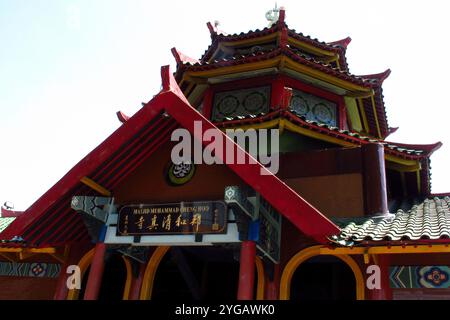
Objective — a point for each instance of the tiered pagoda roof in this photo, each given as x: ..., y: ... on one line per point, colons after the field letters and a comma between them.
x: 286, y: 48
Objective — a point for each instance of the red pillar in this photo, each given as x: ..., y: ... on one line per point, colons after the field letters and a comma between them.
x: 385, y: 293
x: 61, y: 286
x: 75, y: 254
x: 247, y: 271
x: 374, y: 179
x: 136, y: 283
x: 273, y: 286
x: 96, y: 273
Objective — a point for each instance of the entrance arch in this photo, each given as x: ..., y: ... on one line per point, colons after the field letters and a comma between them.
x: 157, y: 257
x: 85, y: 263
x: 308, y: 253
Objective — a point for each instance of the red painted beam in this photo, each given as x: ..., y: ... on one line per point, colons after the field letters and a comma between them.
x: 285, y: 200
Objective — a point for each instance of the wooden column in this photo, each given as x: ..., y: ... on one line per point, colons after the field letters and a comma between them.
x: 385, y: 293
x: 76, y: 252
x: 247, y: 271
x: 96, y: 273
x: 273, y: 285
x: 374, y: 172
x: 136, y: 283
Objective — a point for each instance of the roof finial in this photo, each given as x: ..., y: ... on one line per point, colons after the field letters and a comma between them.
x: 272, y: 15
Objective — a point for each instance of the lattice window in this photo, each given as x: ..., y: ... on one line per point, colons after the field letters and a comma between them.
x: 314, y: 108
x: 231, y: 104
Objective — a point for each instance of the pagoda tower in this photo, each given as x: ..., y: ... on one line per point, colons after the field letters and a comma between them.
x: 279, y: 78
x: 346, y: 205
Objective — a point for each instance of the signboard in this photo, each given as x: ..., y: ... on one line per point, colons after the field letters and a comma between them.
x: 173, y: 218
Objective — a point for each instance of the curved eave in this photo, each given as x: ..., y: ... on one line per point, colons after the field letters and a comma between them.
x: 280, y: 58
x: 294, y: 123
x: 320, y: 48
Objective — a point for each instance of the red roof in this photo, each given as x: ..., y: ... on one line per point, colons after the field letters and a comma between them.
x: 50, y: 221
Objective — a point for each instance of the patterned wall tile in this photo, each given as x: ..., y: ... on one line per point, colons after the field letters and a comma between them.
x: 34, y: 269
x: 410, y: 277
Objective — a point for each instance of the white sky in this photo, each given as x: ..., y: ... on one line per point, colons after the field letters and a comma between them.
x: 66, y: 67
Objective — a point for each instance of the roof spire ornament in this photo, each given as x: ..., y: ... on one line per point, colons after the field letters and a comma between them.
x: 273, y: 15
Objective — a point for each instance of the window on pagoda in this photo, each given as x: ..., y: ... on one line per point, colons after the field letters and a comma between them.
x: 314, y: 108
x: 233, y: 104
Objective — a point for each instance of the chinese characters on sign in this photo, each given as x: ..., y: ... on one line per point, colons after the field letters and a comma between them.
x: 173, y: 218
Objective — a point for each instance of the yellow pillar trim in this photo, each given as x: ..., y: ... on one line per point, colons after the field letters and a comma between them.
x: 150, y: 271
x: 83, y: 264
x: 376, y: 115
x: 261, y: 278
x: 95, y: 186
x: 305, y: 254
x: 419, y: 185
x: 126, y: 289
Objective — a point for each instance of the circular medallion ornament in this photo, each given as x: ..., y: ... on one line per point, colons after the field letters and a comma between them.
x: 228, y: 105
x: 179, y: 174
x: 322, y: 113
x: 299, y: 105
x: 254, y: 101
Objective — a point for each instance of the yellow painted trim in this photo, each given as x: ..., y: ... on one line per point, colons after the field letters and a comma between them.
x: 49, y: 250
x: 363, y: 113
x: 310, y: 48
x: 305, y: 254
x: 263, y: 125
x: 261, y: 279
x: 276, y: 62
x: 249, y: 42
x: 234, y: 69
x: 291, y: 64
x: 95, y: 186
x: 376, y: 115
x: 281, y: 126
x: 150, y: 271
x: 437, y: 248
x: 399, y: 160
x: 403, y: 167
x: 306, y: 132
x: 83, y: 264
x: 126, y: 289
x: 286, y: 124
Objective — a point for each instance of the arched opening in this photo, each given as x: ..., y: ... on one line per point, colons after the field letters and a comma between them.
x: 197, y: 273
x: 323, y: 278
x: 114, y: 278
x: 309, y: 253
